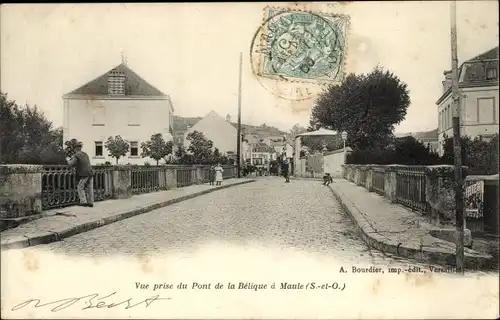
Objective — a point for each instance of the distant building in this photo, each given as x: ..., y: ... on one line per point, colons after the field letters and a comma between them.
x: 118, y: 102
x: 478, y: 86
x: 222, y: 133
x: 261, y: 155
x: 428, y: 138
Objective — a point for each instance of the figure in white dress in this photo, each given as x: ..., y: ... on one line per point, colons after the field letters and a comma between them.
x: 218, y: 174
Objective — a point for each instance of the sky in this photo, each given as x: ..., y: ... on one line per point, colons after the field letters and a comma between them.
x: 191, y: 52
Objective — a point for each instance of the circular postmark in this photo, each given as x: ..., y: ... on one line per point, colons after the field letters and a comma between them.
x: 295, y: 53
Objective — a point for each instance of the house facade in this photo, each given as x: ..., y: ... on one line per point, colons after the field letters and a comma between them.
x: 479, y: 99
x: 222, y: 133
x: 118, y: 102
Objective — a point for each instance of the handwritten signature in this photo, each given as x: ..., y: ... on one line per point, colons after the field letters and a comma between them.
x: 91, y: 301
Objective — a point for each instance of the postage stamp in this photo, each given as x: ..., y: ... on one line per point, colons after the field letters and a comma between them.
x: 296, y: 45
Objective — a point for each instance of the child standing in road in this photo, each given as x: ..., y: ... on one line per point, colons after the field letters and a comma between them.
x: 218, y: 174
x: 211, y: 175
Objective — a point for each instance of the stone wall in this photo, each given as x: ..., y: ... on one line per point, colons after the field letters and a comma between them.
x: 27, y: 190
x: 427, y: 189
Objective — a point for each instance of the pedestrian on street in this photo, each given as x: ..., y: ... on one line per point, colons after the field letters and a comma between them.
x: 84, y: 175
x: 211, y: 175
x: 285, y: 170
x: 218, y: 174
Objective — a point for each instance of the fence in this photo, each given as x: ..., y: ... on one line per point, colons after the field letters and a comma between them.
x: 28, y: 189
x: 378, y: 180
x: 410, y: 188
x: 424, y: 189
x: 430, y: 191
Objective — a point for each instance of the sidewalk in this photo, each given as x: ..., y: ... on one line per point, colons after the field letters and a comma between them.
x: 393, y: 229
x: 62, y: 223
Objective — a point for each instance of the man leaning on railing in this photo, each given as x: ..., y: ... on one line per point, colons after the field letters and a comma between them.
x: 84, y: 174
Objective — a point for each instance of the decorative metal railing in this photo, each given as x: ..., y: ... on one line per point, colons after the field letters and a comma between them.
x: 59, y: 183
x: 145, y: 179
x: 228, y: 171
x: 186, y: 177
x: 59, y: 186
x: 362, y: 177
x: 410, y: 187
x: 378, y: 180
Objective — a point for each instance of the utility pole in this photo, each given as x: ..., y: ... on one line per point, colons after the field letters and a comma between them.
x: 238, y: 143
x: 457, y: 149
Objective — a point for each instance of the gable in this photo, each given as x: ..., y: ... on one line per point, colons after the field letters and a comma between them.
x: 134, y: 84
x: 213, y: 122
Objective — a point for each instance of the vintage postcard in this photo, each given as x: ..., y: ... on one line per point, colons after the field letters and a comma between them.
x: 309, y: 160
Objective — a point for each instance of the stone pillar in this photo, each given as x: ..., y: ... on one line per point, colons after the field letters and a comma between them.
x: 440, y: 192
x: 20, y: 190
x: 199, y: 175
x: 369, y: 179
x: 171, y: 177
x: 390, y: 183
x: 357, y: 173
x: 297, y: 169
x: 122, y: 182
x: 302, y: 172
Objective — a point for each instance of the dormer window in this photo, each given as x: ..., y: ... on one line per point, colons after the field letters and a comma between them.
x: 116, y: 83
x: 491, y: 74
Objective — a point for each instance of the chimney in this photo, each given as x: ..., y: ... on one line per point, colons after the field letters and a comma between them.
x: 447, y: 80
x: 116, y: 83
x: 228, y: 118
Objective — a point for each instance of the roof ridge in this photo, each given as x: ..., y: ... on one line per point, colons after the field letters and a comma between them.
x: 483, y: 53
x: 135, y: 83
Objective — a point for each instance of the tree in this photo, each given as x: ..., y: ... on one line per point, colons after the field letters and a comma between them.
x: 27, y: 136
x: 70, y: 148
x: 200, y: 147
x: 404, y: 151
x: 316, y: 143
x: 181, y: 156
x: 367, y: 107
x: 216, y: 156
x: 479, y: 155
x: 117, y: 147
x: 156, y: 148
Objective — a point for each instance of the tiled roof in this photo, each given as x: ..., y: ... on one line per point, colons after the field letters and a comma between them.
x: 473, y: 72
x: 135, y: 85
x: 488, y: 55
x: 262, y: 147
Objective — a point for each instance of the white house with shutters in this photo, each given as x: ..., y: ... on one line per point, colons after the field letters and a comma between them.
x: 118, y: 102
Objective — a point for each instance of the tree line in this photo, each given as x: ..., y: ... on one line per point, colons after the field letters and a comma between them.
x: 368, y: 107
x: 28, y: 137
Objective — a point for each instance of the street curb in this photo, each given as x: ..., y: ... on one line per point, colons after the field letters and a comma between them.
x: 54, y: 236
x: 431, y: 257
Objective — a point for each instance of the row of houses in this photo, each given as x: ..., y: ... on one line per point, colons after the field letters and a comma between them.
x: 120, y: 102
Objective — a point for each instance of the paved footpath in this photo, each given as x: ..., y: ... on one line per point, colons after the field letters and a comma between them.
x: 65, y: 222
x: 393, y: 229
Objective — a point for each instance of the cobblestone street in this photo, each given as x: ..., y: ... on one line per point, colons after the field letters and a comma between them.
x: 265, y: 232
x: 301, y: 215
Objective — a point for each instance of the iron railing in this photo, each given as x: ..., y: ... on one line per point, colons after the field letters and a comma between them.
x: 145, y: 179
x: 362, y: 177
x: 186, y: 177
x: 59, y: 182
x: 378, y: 181
x: 228, y: 171
x: 59, y: 186
x: 410, y: 187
